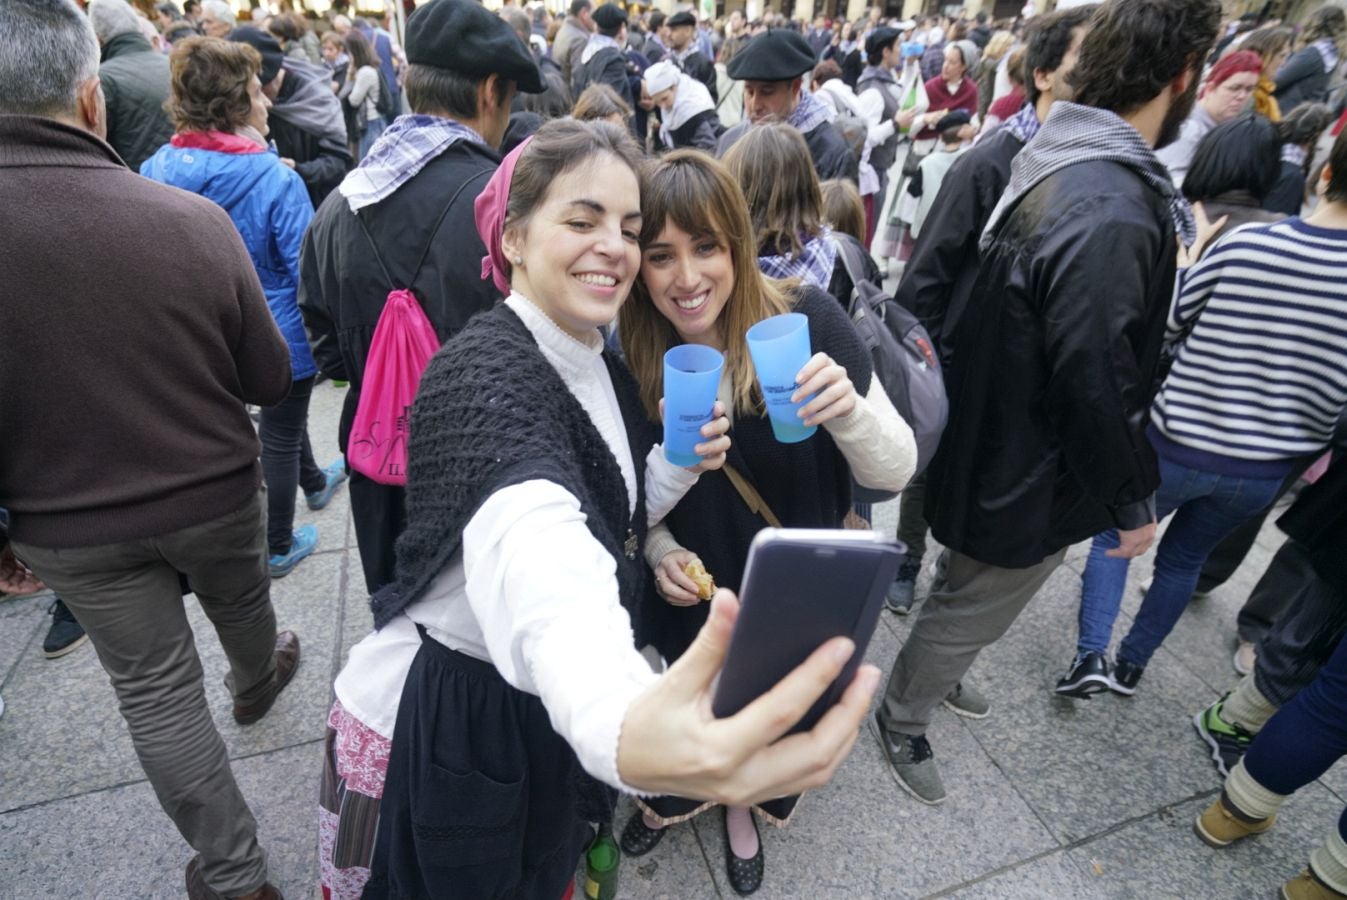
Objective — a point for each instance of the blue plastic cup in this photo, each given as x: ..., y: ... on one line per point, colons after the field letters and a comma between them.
x: 691, y: 377
x: 780, y: 348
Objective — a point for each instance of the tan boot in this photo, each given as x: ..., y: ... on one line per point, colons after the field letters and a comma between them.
x: 1306, y: 887
x: 1220, y: 825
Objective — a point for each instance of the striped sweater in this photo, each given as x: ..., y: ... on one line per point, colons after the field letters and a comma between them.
x: 1261, y: 378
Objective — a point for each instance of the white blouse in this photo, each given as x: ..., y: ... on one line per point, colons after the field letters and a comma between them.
x: 530, y: 589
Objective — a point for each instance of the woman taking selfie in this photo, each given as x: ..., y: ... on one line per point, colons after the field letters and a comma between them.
x: 700, y: 284
x: 504, y: 665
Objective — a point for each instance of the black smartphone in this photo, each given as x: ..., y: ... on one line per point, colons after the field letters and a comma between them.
x: 801, y: 588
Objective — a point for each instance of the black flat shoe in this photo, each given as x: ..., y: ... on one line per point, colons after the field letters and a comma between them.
x: 638, y: 839
x: 745, y: 874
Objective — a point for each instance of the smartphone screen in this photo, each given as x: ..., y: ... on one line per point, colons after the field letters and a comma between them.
x: 802, y: 587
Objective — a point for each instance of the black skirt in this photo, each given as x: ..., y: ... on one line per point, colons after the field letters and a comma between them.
x: 483, y: 798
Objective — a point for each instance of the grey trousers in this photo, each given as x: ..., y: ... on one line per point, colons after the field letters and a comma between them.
x: 1286, y: 663
x: 128, y: 598
x: 971, y: 605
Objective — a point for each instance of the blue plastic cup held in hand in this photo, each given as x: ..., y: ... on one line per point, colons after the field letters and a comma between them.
x: 691, y: 377
x: 780, y: 348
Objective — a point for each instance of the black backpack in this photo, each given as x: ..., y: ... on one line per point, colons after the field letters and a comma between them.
x: 386, y: 105
x: 904, y: 360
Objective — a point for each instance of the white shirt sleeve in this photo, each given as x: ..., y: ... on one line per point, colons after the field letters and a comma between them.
x: 878, y: 445
x: 545, y: 593
x: 665, y: 485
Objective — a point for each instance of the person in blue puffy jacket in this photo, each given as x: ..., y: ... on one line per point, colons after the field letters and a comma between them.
x: 220, y: 151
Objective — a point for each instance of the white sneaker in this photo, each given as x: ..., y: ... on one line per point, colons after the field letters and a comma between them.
x: 1246, y: 655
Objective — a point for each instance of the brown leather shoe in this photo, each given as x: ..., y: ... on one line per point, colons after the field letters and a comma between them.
x: 197, y: 889
x: 287, y: 660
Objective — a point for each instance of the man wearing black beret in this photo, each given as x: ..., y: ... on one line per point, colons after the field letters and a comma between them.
x: 604, y: 60
x: 683, y: 51
x: 307, y: 123
x: 772, y: 67
x: 404, y: 219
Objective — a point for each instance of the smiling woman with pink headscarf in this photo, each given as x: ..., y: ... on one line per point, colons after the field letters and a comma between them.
x: 1226, y: 93
x: 476, y: 731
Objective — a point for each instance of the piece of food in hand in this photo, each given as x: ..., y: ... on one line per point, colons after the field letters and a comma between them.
x: 706, y: 585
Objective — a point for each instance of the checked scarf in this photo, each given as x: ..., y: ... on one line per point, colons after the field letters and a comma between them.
x: 1024, y: 124
x: 810, y: 113
x: 1075, y: 134
x: 814, y: 265
x: 404, y: 148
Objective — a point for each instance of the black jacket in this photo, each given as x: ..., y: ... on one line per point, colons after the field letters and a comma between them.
x: 607, y: 66
x: 939, y: 277
x: 1302, y: 79
x: 702, y: 69
x: 1058, y: 350
x: 341, y: 289
x: 832, y: 157
x: 1318, y: 521
x: 1287, y: 195
x: 701, y: 132
x: 308, y: 125
x: 135, y: 86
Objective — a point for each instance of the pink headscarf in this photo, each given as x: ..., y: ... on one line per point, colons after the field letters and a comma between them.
x: 488, y: 211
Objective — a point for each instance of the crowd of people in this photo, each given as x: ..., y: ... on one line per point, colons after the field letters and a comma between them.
x: 1121, y: 232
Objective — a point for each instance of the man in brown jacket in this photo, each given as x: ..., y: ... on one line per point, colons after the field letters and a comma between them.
x: 135, y: 331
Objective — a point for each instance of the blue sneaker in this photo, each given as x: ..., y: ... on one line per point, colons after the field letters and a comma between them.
x: 336, y: 474
x: 303, y: 544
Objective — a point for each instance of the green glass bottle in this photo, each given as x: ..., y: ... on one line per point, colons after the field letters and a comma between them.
x: 601, y: 864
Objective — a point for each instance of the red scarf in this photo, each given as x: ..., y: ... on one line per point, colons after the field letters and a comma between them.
x: 219, y: 141
x: 937, y: 91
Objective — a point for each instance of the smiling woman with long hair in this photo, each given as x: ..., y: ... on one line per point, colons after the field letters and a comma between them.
x: 700, y: 284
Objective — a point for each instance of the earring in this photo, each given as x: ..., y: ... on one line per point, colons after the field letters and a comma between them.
x: 519, y: 261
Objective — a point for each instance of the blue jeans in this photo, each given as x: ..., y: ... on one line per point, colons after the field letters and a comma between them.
x: 1206, y: 508
x: 287, y: 461
x: 373, y: 128
x: 1306, y: 736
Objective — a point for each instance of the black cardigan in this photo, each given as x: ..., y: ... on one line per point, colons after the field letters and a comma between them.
x: 492, y: 412
x: 807, y: 485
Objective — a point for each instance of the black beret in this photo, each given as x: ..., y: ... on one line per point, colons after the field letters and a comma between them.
x: 682, y: 18
x: 264, y: 44
x: 955, y: 118
x: 880, y: 38
x: 461, y: 36
x: 778, y: 54
x: 609, y: 17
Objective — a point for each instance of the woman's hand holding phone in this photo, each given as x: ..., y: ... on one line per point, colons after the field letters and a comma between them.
x: 671, y: 743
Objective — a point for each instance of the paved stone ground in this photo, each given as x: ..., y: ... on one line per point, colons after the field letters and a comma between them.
x: 1048, y: 797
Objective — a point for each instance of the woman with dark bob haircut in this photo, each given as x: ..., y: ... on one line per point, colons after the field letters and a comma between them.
x: 220, y: 151
x: 1234, y: 168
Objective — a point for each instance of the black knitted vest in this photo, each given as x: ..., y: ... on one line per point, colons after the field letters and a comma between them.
x: 491, y: 411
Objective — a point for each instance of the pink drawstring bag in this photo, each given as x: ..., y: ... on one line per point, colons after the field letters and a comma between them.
x: 400, y: 350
